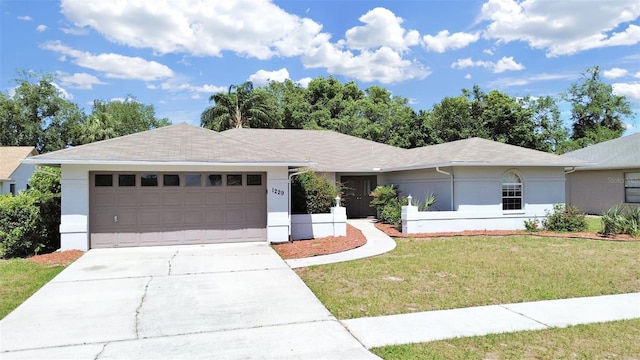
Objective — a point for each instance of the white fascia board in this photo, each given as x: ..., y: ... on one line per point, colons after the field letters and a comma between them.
x: 478, y: 164
x: 169, y: 163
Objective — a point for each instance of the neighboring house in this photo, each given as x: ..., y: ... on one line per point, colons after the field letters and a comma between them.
x: 15, y: 176
x: 612, y: 177
x: 182, y: 184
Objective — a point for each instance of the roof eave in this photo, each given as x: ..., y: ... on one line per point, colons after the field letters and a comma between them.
x: 480, y: 163
x: 170, y: 163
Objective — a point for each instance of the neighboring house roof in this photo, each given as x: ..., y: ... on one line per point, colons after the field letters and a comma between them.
x: 329, y: 150
x: 620, y: 153
x: 10, y: 157
x: 477, y: 152
x: 175, y: 144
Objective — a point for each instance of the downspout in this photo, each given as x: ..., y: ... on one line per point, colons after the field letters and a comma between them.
x: 570, y: 171
x: 39, y: 169
x: 450, y: 175
x: 568, y: 196
x: 293, y: 172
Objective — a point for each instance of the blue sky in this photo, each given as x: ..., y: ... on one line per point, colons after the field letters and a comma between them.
x: 175, y: 54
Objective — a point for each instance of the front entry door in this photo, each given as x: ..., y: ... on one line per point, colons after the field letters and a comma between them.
x: 357, y: 195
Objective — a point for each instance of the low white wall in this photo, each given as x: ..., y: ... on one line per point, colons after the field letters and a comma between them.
x: 415, y: 222
x: 310, y: 226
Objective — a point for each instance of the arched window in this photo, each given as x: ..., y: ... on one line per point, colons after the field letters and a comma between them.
x: 511, y: 191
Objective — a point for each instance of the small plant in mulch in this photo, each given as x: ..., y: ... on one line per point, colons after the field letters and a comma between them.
x: 532, y: 225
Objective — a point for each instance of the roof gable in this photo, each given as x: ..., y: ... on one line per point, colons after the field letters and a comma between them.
x: 10, y: 157
x: 623, y: 152
x: 182, y: 143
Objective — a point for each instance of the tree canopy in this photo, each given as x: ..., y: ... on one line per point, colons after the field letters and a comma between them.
x: 38, y: 114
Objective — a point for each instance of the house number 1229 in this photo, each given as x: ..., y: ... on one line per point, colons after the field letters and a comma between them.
x: 277, y: 191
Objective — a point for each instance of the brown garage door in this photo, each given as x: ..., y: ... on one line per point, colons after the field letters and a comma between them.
x: 152, y: 208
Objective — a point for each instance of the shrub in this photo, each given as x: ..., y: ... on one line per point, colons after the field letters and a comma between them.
x: 621, y: 220
x: 532, y: 225
x: 565, y: 218
x: 312, y: 194
x: 29, y: 223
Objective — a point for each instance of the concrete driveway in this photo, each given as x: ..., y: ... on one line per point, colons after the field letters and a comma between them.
x: 181, y: 302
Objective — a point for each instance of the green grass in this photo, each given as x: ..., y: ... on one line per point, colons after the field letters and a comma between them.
x: 19, y: 279
x: 594, y: 223
x: 446, y: 273
x: 614, y: 340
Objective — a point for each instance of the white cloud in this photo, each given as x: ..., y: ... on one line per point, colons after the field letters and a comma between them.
x: 467, y: 76
x: 75, y: 30
x: 382, y: 28
x: 630, y: 90
x: 304, y: 82
x: 258, y: 29
x: 64, y: 93
x: 41, y: 28
x: 25, y: 18
x: 526, y: 80
x: 563, y: 27
x: 637, y: 75
x: 504, y: 64
x: 444, y: 41
x: 177, y: 84
x: 113, y: 65
x: 488, y: 51
x: 614, y: 73
x: 507, y: 64
x: 262, y: 77
x: 82, y: 81
x: 253, y: 28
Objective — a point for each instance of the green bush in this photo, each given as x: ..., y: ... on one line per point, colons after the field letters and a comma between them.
x: 621, y: 220
x: 388, y: 204
x: 532, y: 225
x: 30, y: 221
x: 312, y: 194
x: 565, y: 218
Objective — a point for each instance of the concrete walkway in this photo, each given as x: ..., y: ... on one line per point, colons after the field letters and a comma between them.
x: 377, y: 243
x: 492, y: 319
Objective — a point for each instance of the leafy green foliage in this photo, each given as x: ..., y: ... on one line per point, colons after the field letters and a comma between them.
x: 621, y: 220
x: 30, y: 221
x: 387, y: 202
x: 532, y: 225
x: 312, y: 194
x: 596, y: 112
x: 565, y: 218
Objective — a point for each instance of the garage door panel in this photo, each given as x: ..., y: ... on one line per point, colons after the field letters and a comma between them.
x: 104, y: 199
x: 215, y: 198
x: 194, y: 198
x: 164, y: 215
x: 172, y: 216
x: 173, y: 198
x: 150, y: 198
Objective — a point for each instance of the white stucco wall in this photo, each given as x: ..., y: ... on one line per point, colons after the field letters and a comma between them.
x: 478, y: 201
x: 420, y: 183
x: 311, y: 226
x: 74, y: 225
x: 595, y: 191
x: 20, y: 177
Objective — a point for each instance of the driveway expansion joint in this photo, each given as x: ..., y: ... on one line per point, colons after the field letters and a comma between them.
x: 101, y: 351
x: 525, y: 316
x: 144, y: 296
x: 171, y: 259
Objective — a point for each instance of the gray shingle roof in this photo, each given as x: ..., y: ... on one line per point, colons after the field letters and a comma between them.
x: 329, y: 150
x: 620, y: 153
x: 10, y: 157
x: 477, y: 152
x: 175, y: 143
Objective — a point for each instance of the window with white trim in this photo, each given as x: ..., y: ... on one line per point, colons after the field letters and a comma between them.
x: 511, y: 191
x: 632, y: 188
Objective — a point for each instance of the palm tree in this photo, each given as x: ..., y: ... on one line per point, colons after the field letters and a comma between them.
x: 239, y: 107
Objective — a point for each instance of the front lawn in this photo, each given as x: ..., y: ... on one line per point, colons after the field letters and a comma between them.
x: 614, y: 340
x: 455, y: 272
x: 19, y: 279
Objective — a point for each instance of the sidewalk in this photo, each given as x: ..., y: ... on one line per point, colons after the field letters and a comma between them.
x: 492, y: 319
x: 473, y: 321
x: 377, y: 243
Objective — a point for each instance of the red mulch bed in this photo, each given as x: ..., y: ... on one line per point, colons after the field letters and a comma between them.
x: 392, y: 231
x: 57, y: 258
x: 322, y: 246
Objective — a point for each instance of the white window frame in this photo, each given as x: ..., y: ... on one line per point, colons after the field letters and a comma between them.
x: 507, y: 179
x: 631, y: 181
